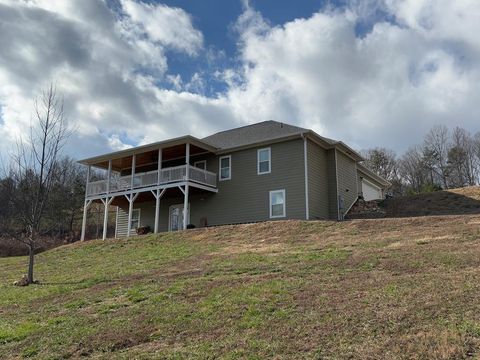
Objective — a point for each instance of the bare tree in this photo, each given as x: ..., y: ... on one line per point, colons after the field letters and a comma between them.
x: 461, y: 159
x: 381, y: 161
x: 435, y: 153
x: 34, y: 170
x: 476, y: 152
x: 384, y: 163
x: 412, y: 169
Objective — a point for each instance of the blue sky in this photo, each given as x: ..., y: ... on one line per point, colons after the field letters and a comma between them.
x: 216, y: 19
x: 367, y: 72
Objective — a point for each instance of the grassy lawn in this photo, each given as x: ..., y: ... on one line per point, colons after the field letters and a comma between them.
x: 364, y: 289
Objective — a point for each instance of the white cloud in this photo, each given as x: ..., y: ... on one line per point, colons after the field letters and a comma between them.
x: 106, y: 63
x: 166, y: 25
x: 116, y: 143
x: 385, y: 87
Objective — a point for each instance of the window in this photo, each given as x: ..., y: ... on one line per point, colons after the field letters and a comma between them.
x: 263, y: 161
x: 135, y: 223
x: 202, y: 164
x: 225, y: 165
x: 277, y: 204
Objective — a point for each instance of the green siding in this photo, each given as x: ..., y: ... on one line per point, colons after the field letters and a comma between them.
x: 318, y: 189
x: 147, y: 217
x: 332, y: 184
x: 244, y: 198
x: 347, y: 179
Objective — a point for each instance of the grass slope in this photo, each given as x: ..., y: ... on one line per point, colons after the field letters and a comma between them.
x: 365, y: 289
x: 445, y: 202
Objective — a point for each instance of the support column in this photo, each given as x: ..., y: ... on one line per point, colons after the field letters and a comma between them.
x: 187, y: 160
x: 109, y: 175
x: 130, y: 210
x: 107, y: 201
x: 157, y: 195
x: 134, y: 164
x: 159, y: 167
x: 185, y: 208
x: 84, y: 221
x: 85, y: 207
x: 185, y: 202
x: 131, y: 199
x: 157, y: 212
x: 105, y: 217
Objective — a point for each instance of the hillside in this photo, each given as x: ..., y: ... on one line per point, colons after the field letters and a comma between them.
x: 446, y: 202
x: 364, y: 289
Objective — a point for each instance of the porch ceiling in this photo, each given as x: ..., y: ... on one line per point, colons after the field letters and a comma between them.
x: 149, y: 157
x: 148, y: 154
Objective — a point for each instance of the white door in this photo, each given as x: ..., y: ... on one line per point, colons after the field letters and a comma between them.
x: 175, y: 218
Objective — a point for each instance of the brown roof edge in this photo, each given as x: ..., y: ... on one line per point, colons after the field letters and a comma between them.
x: 374, y: 176
x: 340, y: 145
x: 260, y: 143
x: 148, y: 147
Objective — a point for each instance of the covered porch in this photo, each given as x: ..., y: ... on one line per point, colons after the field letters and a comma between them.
x: 148, y: 172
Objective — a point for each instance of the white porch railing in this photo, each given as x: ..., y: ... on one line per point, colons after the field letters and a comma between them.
x: 151, y: 178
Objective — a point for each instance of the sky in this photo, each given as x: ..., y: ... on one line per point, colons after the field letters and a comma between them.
x: 367, y: 72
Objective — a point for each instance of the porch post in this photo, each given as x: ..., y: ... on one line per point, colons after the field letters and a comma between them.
x: 159, y: 169
x: 85, y: 207
x: 84, y: 221
x: 105, y: 214
x: 105, y: 218
x: 109, y: 175
x: 130, y: 210
x: 134, y: 163
x: 187, y: 160
x: 131, y: 197
x: 157, y: 197
x: 185, y: 202
x: 185, y: 207
x: 157, y: 211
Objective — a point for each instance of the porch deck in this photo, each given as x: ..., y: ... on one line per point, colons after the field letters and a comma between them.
x: 171, y: 175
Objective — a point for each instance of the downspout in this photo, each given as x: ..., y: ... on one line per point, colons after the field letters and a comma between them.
x: 305, y: 163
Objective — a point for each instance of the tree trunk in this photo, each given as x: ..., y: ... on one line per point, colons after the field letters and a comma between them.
x: 31, y: 258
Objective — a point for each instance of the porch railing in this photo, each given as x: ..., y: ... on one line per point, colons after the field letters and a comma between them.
x: 151, y: 178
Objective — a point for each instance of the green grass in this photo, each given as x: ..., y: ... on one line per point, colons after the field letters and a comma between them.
x: 362, y: 289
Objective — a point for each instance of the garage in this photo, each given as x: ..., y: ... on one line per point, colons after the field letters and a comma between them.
x: 371, y: 191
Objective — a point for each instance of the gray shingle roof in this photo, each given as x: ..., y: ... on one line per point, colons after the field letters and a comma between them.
x: 255, y: 133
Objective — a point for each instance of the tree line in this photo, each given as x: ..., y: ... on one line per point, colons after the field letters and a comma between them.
x: 445, y: 159
x: 61, y: 209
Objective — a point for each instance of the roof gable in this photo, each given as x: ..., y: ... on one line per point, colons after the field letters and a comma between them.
x: 252, y: 134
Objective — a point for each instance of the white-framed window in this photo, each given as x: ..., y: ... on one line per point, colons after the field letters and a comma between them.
x: 202, y: 164
x: 277, y: 204
x: 225, y: 168
x: 264, y: 161
x: 135, y: 223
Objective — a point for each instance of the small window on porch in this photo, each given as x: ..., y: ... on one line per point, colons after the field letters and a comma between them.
x: 202, y: 164
x: 135, y: 223
x: 225, y: 165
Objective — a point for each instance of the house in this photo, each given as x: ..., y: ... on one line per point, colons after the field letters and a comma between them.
x: 265, y: 171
